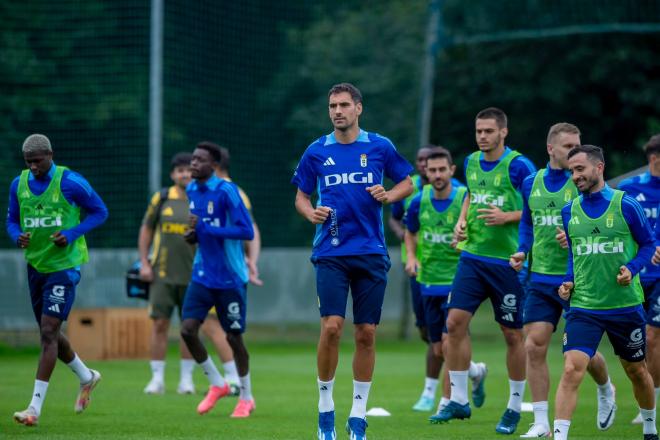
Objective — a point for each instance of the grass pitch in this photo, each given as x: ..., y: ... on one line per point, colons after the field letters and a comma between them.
x: 284, y: 383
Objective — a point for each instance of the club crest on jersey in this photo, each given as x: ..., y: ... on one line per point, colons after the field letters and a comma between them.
x: 363, y: 160
x: 209, y: 207
x: 497, y: 180
x: 473, y: 176
x: 609, y: 221
x: 568, y: 195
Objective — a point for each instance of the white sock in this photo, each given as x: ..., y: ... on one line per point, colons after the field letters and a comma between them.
x: 648, y: 421
x: 517, y: 389
x: 158, y: 370
x: 605, y: 390
x: 325, y: 395
x: 231, y: 373
x: 443, y: 402
x: 187, y: 367
x: 360, y: 396
x: 246, y: 387
x: 430, y: 387
x: 474, y: 370
x: 81, y: 370
x: 560, y: 431
x: 541, y: 413
x: 39, y: 395
x: 459, y: 386
x: 211, y: 371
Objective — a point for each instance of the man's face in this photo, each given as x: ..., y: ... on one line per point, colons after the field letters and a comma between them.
x: 202, y: 164
x: 420, y: 160
x: 181, y: 175
x: 561, y: 145
x: 585, y: 174
x: 39, y: 163
x: 439, y: 172
x: 654, y: 164
x: 343, y: 111
x: 489, y: 136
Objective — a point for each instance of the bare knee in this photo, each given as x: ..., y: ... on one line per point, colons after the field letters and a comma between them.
x: 457, y: 323
x: 535, y: 350
x: 573, y: 372
x: 365, y: 335
x: 636, y: 371
x: 438, y: 350
x: 189, y: 329
x: 512, y: 336
x: 331, y: 330
x: 161, y: 326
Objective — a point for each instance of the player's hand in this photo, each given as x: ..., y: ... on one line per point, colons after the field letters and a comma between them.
x: 59, y: 239
x: 656, y: 257
x: 378, y: 192
x: 253, y: 272
x: 561, y: 238
x: 494, y: 216
x: 565, y: 290
x: 624, y: 277
x: 23, y: 240
x: 517, y: 260
x: 146, y: 272
x: 190, y: 236
x: 412, y: 266
x: 192, y: 221
x: 460, y: 233
x: 319, y: 215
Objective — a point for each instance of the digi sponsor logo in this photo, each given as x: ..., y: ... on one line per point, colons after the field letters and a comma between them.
x: 346, y: 178
x: 486, y: 199
x: 651, y: 212
x: 597, y: 245
x: 42, y: 222
x: 431, y: 237
x: 547, y: 217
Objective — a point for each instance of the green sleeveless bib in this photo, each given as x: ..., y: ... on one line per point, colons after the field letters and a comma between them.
x: 417, y: 181
x: 491, y: 188
x: 548, y: 257
x: 600, y: 247
x: 42, y: 216
x: 437, y: 258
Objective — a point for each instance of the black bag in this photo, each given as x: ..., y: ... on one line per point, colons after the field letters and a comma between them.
x: 135, y: 286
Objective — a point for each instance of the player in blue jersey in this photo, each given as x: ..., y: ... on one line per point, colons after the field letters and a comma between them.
x: 346, y: 168
x: 43, y: 219
x: 542, y: 237
x: 219, y: 222
x: 609, y: 241
x: 645, y: 188
x: 489, y: 225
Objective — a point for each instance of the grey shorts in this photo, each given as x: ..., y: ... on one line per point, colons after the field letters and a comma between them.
x: 163, y: 297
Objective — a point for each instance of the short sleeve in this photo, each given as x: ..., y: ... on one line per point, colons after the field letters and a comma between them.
x: 151, y: 215
x: 304, y: 177
x: 397, y: 167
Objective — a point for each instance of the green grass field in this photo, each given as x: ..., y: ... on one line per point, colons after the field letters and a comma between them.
x: 284, y: 382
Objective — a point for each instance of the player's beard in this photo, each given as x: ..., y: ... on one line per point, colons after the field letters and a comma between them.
x: 441, y: 182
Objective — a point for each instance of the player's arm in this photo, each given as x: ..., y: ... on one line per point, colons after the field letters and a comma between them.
x: 395, y: 221
x: 525, y: 228
x: 656, y: 255
x: 241, y: 227
x: 398, y: 169
x: 146, y: 236
x: 566, y: 287
x: 13, y: 225
x: 252, y: 253
x: 304, y: 207
x: 76, y: 189
x: 410, y: 236
x: 641, y: 232
x: 460, y: 229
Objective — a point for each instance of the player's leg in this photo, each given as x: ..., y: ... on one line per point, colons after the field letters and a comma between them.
x: 597, y: 369
x: 332, y: 285
x: 435, y: 321
x: 198, y: 300
x: 161, y: 306
x: 652, y: 294
x: 213, y: 330
x: 368, y: 283
x: 187, y: 364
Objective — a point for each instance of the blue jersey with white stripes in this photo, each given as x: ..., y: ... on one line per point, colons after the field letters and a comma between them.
x: 223, y: 223
x: 340, y: 174
x: 645, y: 188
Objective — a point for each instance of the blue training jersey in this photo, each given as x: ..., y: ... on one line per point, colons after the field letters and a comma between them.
x: 340, y: 174
x: 223, y: 224
x: 645, y: 188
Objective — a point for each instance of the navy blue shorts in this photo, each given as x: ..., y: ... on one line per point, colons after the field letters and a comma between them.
x: 652, y: 302
x: 626, y: 332
x: 477, y: 280
x: 543, y: 304
x: 435, y: 314
x: 52, y: 293
x: 365, y: 275
x: 229, y: 305
x: 417, y: 303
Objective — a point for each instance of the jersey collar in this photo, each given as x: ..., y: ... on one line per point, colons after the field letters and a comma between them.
x: 330, y: 139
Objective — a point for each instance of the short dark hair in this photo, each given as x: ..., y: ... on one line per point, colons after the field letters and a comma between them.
x: 439, y: 152
x: 652, y: 147
x: 494, y: 113
x: 213, y: 149
x: 224, y: 160
x: 594, y: 153
x: 346, y: 87
x: 181, y: 159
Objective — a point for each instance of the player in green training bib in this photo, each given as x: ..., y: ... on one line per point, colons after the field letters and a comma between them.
x: 489, y: 228
x: 541, y: 235
x: 43, y: 219
x: 609, y: 241
x: 430, y: 221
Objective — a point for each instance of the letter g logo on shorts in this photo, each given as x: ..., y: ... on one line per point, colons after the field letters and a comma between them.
x: 58, y: 291
x: 233, y: 308
x: 636, y: 335
x: 509, y: 300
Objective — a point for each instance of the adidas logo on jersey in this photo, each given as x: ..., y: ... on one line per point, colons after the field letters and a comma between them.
x: 640, y: 197
x: 328, y: 162
x: 551, y: 204
x: 595, y: 230
x: 639, y: 353
x: 54, y: 308
x: 482, y: 183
